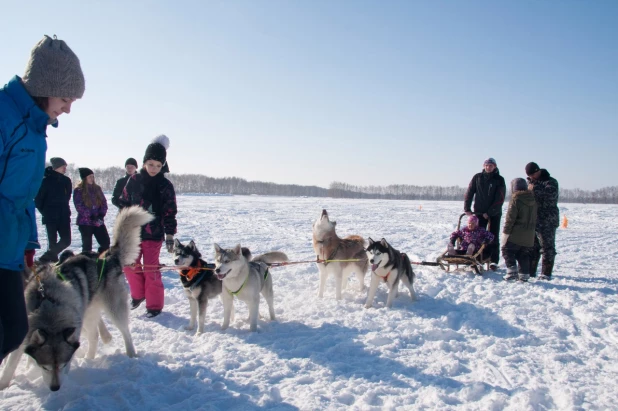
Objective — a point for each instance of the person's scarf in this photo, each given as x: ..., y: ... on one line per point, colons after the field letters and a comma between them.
x: 152, y: 190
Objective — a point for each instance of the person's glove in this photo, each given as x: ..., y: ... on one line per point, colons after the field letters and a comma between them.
x: 169, y: 243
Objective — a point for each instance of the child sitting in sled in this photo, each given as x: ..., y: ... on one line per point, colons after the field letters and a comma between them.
x: 472, y: 238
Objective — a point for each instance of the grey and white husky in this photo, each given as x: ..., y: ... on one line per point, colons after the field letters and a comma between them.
x: 62, y: 300
x: 198, y: 281
x: 389, y: 266
x: 328, y: 246
x: 245, y: 278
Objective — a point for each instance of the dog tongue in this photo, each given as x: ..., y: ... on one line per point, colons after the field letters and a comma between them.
x: 374, y: 267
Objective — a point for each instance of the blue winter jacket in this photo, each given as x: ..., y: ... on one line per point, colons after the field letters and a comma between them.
x: 22, y: 164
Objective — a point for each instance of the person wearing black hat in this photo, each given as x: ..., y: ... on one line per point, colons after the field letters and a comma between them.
x: 52, y: 82
x: 546, y: 191
x: 52, y: 201
x: 487, y: 188
x: 151, y: 190
x: 91, y: 206
x: 130, y: 167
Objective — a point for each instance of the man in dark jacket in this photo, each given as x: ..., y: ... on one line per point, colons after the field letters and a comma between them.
x: 52, y: 201
x: 131, y: 168
x: 545, y: 189
x: 487, y: 188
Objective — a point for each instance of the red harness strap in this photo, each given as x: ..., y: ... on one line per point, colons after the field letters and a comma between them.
x: 192, y: 272
x: 385, y: 278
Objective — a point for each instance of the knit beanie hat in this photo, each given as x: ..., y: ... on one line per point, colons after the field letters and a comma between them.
x: 518, y: 184
x: 57, y: 162
x: 532, y: 168
x: 131, y: 161
x: 490, y: 160
x: 157, y: 150
x: 54, y: 71
x: 474, y: 219
x: 84, y: 172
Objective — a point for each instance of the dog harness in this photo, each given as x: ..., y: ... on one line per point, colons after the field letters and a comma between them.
x: 193, y: 271
x: 385, y: 278
x: 245, y: 282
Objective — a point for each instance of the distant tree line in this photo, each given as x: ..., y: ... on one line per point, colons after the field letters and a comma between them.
x: 201, y: 184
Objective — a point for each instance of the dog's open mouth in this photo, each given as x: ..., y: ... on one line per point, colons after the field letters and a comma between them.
x: 374, y: 267
x: 221, y: 276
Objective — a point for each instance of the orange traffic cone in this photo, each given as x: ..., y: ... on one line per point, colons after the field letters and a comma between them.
x: 565, y: 222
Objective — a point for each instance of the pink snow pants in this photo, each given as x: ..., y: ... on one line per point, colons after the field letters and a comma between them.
x: 145, y: 280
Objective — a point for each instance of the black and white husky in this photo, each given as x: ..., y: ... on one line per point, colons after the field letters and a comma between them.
x: 389, y: 266
x: 245, y: 278
x: 198, y: 281
x: 64, y: 300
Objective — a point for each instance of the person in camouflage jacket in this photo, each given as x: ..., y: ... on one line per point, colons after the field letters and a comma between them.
x: 546, y: 191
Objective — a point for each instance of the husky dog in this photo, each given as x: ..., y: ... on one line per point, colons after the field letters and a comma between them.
x: 198, y: 280
x: 246, y: 279
x: 64, y: 299
x: 328, y: 246
x: 390, y: 266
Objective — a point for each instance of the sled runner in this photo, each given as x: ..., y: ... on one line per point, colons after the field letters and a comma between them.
x: 477, y: 262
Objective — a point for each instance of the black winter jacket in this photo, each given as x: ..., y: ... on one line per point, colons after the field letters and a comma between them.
x: 53, y: 198
x: 156, y: 195
x: 488, y: 192
x: 120, y: 185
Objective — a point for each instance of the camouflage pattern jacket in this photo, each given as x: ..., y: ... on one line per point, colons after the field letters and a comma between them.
x: 546, y: 192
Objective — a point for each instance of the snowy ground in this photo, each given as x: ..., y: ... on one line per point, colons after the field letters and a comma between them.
x: 467, y: 343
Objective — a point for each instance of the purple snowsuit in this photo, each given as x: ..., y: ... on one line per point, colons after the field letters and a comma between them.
x: 477, y: 237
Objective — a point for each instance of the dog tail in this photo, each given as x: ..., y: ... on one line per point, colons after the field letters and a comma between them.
x: 127, y: 230
x: 271, y: 257
x: 407, y: 268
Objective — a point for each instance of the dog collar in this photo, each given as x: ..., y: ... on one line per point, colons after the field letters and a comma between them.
x: 243, y: 284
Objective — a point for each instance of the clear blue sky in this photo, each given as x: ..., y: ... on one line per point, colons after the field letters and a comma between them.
x: 310, y: 92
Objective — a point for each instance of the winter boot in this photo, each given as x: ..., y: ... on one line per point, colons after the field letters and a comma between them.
x: 451, y: 249
x: 135, y: 302
x: 524, y: 277
x: 511, y: 273
x: 547, y: 267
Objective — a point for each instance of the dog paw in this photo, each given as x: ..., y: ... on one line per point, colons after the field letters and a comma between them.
x: 189, y: 327
x: 368, y: 305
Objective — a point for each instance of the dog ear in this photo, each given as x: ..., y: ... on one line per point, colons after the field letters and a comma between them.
x: 38, y: 337
x: 191, y: 245
x: 217, y: 249
x: 71, y: 335
x: 238, y: 249
x: 370, y: 241
x: 384, y: 243
x: 177, y: 243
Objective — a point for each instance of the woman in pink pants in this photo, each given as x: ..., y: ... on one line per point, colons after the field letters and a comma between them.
x: 151, y: 190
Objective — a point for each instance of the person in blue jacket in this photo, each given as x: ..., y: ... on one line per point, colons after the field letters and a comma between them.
x: 53, y: 80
